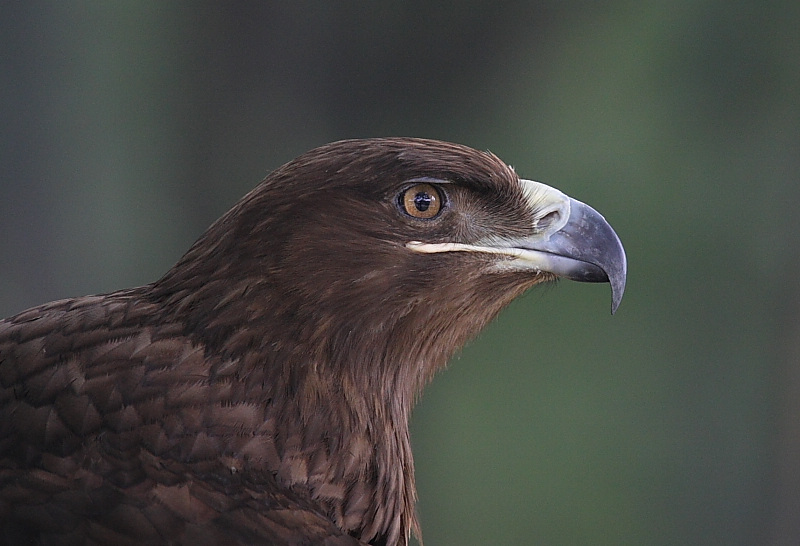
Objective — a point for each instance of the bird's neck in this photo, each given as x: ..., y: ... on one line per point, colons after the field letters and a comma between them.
x: 336, y: 443
x: 348, y: 439
x: 335, y: 419
x: 336, y: 379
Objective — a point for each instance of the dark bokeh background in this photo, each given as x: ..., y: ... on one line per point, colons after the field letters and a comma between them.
x: 126, y: 128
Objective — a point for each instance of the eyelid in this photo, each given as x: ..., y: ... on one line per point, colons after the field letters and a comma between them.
x: 428, y: 180
x: 435, y: 182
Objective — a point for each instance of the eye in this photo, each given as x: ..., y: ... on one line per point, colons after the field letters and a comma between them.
x: 421, y: 201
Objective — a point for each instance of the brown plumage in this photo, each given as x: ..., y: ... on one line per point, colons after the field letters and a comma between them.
x: 259, y: 392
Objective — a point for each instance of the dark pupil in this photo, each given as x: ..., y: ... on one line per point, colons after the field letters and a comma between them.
x: 422, y: 201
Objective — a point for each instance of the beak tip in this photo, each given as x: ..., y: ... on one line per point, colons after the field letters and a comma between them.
x: 617, y: 280
x: 616, y: 299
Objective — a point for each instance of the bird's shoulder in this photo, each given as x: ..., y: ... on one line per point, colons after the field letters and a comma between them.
x: 70, y: 367
x: 110, y: 413
x: 75, y: 347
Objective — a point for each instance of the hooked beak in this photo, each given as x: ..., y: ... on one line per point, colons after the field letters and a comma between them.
x: 570, y: 240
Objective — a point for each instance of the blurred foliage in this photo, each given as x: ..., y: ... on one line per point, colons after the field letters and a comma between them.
x: 128, y: 127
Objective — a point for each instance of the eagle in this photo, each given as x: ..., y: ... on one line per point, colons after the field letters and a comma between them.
x: 260, y: 391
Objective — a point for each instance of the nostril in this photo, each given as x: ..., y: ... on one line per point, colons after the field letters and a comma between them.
x: 548, y: 220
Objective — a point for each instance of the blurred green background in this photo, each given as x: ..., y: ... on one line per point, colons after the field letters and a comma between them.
x: 127, y: 128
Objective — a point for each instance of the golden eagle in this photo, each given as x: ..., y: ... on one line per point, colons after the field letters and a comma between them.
x: 259, y: 392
